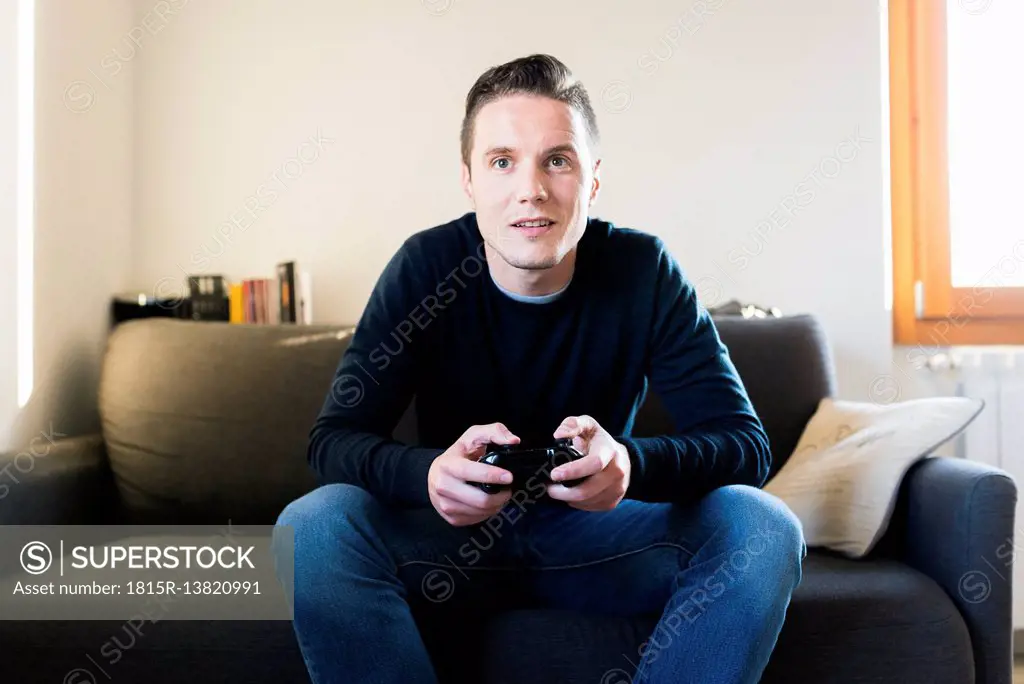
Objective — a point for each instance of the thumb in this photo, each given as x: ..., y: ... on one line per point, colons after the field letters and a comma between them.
x: 504, y: 434
x: 573, y: 426
x: 479, y: 436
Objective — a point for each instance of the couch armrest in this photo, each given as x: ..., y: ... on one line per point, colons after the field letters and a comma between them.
x: 954, y: 522
x: 61, y: 482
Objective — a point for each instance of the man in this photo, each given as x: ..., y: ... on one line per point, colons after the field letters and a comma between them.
x: 526, y: 321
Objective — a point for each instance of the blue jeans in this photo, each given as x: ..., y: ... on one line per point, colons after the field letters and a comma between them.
x: 720, y: 572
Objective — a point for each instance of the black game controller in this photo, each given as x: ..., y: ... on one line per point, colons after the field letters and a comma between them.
x: 529, y: 464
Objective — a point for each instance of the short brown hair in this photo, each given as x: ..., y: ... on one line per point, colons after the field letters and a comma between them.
x: 539, y: 74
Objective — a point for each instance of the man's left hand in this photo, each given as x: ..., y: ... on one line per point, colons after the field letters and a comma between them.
x: 605, y: 464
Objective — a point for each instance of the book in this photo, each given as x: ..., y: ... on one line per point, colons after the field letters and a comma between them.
x: 273, y: 306
x: 261, y: 301
x: 236, y: 304
x: 250, y: 316
x: 286, y: 290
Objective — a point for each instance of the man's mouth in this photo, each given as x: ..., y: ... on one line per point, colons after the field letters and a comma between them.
x: 534, y: 223
x: 533, y: 227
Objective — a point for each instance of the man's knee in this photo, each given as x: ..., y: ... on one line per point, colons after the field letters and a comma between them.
x: 324, y: 508
x: 763, y: 529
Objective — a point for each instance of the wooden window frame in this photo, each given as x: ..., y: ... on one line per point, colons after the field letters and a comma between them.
x: 927, y: 309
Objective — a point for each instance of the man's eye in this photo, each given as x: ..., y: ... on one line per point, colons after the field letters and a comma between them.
x: 501, y: 160
x: 564, y: 162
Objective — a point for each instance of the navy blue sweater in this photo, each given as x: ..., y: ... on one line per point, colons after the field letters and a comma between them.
x: 437, y: 326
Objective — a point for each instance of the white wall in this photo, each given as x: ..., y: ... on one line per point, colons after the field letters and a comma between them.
x: 747, y: 108
x: 83, y: 209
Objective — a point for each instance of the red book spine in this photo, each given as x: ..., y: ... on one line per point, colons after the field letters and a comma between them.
x: 250, y: 302
x: 260, y: 318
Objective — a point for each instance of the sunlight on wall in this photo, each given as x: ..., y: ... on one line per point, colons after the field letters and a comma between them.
x: 26, y: 196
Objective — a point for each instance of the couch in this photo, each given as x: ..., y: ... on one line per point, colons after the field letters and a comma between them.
x: 208, y: 422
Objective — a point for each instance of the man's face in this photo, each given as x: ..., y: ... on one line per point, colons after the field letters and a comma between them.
x: 531, y: 159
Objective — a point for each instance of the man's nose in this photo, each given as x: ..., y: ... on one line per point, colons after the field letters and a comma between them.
x: 532, y: 186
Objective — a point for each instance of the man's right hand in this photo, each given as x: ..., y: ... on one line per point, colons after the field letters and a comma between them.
x: 458, y: 502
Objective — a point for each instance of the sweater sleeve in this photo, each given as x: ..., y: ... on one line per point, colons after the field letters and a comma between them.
x: 718, y: 438
x: 350, y: 442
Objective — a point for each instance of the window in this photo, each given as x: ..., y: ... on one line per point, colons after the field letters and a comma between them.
x: 956, y: 145
x: 26, y: 198
x: 16, y: 209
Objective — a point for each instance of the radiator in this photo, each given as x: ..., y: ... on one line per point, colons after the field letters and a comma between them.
x: 996, y: 375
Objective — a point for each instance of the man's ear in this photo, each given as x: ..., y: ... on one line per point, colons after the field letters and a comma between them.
x: 467, y: 185
x: 596, y: 185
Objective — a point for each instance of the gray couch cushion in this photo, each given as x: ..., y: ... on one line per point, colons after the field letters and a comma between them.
x: 209, y: 421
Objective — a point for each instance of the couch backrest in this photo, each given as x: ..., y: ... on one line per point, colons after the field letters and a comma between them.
x: 208, y: 422
x: 787, y: 367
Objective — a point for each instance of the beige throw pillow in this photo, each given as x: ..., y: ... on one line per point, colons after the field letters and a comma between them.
x: 843, y: 478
